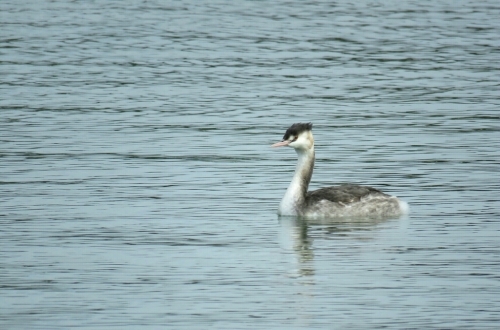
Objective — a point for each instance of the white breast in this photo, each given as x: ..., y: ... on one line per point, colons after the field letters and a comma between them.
x: 287, y: 207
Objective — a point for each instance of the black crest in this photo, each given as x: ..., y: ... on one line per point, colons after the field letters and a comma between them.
x: 296, y: 129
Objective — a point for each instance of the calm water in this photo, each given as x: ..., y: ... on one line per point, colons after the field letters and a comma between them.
x: 138, y: 189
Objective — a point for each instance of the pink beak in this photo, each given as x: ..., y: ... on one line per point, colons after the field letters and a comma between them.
x: 281, y: 144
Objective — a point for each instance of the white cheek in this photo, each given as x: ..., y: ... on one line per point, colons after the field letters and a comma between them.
x: 297, y: 144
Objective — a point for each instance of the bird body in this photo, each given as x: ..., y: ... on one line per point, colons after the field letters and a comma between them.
x: 346, y: 200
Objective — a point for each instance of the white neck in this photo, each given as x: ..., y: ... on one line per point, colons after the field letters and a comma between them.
x: 295, y: 195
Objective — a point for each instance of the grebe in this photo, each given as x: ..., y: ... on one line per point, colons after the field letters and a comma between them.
x: 346, y: 200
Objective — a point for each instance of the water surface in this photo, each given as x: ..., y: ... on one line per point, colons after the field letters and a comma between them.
x: 138, y: 189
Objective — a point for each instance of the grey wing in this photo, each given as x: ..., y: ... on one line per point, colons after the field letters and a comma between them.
x: 343, y: 194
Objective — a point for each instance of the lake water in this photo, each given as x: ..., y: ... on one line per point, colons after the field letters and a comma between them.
x: 138, y: 189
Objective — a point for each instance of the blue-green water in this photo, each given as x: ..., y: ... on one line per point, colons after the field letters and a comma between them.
x: 138, y: 189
